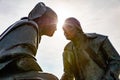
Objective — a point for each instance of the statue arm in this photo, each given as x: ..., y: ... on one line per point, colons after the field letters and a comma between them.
x: 113, y: 61
x: 67, y: 75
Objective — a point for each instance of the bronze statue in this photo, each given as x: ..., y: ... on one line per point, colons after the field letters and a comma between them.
x: 88, y: 56
x: 19, y: 44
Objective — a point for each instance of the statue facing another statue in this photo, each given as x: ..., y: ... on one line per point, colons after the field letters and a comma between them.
x: 88, y: 56
x: 19, y: 44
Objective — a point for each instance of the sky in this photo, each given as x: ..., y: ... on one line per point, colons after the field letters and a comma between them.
x: 95, y: 16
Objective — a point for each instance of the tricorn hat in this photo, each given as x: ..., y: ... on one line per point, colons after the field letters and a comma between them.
x: 37, y: 11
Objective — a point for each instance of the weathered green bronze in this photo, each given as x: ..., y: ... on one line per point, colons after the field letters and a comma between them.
x: 88, y: 56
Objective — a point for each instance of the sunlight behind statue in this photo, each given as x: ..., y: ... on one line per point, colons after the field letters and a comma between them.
x: 19, y: 44
x: 88, y: 56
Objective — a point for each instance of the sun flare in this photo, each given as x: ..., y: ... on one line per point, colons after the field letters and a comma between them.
x: 61, y: 18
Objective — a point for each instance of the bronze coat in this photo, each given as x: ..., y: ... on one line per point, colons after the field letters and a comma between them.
x: 18, y: 47
x: 94, y: 63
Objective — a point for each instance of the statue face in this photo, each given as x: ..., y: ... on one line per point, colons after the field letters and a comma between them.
x: 50, y: 29
x: 47, y: 24
x: 70, y: 32
x: 51, y: 25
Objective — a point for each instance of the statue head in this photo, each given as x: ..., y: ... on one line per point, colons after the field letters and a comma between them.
x: 45, y: 17
x: 71, y: 21
x: 72, y: 28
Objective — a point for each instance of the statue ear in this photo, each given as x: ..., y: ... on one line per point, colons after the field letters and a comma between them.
x: 37, y: 11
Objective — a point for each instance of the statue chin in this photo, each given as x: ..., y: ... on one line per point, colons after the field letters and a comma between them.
x: 50, y: 34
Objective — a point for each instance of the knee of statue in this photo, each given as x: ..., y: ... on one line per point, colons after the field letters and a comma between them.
x: 34, y: 75
x: 30, y: 75
x: 28, y: 64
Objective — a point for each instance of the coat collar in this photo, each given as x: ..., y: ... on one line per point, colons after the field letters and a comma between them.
x: 91, y: 35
